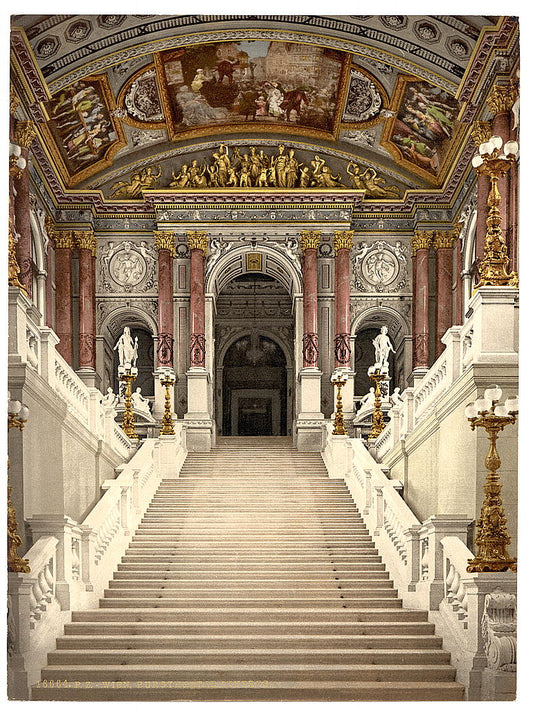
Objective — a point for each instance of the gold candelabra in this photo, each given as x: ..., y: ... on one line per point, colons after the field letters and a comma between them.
x: 127, y: 376
x: 17, y: 415
x: 378, y: 420
x: 494, y: 162
x: 339, y: 379
x: 167, y: 379
x: 492, y: 538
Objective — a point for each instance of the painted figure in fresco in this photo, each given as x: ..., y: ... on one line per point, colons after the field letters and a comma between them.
x: 294, y: 101
x: 199, y: 79
x: 382, y: 347
x: 274, y: 99
x: 261, y: 104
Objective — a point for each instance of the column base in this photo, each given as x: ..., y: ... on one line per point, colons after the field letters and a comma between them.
x: 309, y: 432
x: 199, y: 424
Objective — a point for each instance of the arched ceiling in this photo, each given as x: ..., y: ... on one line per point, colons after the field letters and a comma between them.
x: 127, y: 100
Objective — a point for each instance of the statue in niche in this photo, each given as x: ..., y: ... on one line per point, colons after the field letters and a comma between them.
x: 383, y: 347
x: 127, y: 349
x: 110, y: 400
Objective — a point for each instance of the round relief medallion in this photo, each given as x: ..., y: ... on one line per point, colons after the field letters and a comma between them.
x: 127, y: 268
x: 379, y: 267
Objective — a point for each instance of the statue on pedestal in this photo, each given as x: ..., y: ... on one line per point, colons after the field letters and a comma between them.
x: 383, y: 347
x: 140, y: 402
x: 127, y: 349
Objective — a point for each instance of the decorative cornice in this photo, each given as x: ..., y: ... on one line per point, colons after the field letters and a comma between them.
x: 481, y: 132
x: 309, y: 239
x: 85, y: 240
x: 25, y: 133
x: 444, y: 239
x: 502, y: 98
x: 165, y: 241
x: 198, y: 240
x: 342, y: 240
x: 421, y: 240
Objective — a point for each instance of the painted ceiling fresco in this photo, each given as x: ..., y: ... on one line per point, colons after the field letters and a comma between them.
x: 132, y: 104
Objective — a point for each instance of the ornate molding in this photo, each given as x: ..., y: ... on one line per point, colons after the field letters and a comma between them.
x: 502, y: 98
x: 309, y: 240
x: 165, y: 349
x: 197, y: 350
x: 198, y: 240
x: 421, y: 240
x: 342, y: 240
x: 165, y: 240
x: 25, y: 133
x: 498, y: 628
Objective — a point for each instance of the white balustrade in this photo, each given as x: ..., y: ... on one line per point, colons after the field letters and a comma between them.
x: 71, y: 389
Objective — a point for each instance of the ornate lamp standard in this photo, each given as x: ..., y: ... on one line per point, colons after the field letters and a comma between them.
x: 339, y: 379
x: 127, y: 374
x: 378, y: 421
x: 492, y: 538
x: 17, y: 415
x: 493, y: 162
x: 167, y: 378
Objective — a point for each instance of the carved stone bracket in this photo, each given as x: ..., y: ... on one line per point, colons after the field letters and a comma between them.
x: 498, y: 627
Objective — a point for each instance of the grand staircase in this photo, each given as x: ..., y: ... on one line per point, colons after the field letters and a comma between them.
x: 251, y: 577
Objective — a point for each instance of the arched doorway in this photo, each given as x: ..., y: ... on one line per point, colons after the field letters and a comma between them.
x: 254, y: 388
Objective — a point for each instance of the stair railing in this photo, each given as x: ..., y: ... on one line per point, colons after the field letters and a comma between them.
x: 427, y: 561
x: 71, y: 563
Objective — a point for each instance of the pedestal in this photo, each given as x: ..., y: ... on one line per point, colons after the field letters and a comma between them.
x: 310, y: 421
x: 494, y: 323
x: 199, y: 423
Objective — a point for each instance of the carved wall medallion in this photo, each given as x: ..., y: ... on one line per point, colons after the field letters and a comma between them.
x: 364, y: 100
x: 127, y: 267
x: 380, y: 267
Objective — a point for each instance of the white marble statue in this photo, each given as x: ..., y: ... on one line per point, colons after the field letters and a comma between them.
x: 395, y: 397
x: 383, y: 347
x: 139, y: 402
x: 367, y: 401
x: 127, y: 349
x: 110, y: 400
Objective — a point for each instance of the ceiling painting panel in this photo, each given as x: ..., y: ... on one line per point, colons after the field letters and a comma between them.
x: 263, y: 85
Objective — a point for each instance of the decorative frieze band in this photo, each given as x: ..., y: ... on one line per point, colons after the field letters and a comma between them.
x: 309, y: 240
x: 343, y: 240
x: 198, y: 240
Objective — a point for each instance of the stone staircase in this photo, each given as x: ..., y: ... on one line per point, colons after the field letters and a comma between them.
x: 251, y: 577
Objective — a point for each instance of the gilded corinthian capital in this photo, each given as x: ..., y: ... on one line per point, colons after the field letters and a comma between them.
x: 342, y: 240
x: 165, y: 240
x: 60, y: 239
x: 481, y: 132
x: 309, y: 240
x: 85, y: 240
x: 198, y: 240
x: 421, y: 240
x: 501, y: 98
x: 25, y: 133
x: 444, y: 239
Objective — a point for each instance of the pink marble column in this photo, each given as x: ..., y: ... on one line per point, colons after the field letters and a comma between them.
x: 458, y: 283
x: 24, y: 136
x: 443, y: 242
x: 63, y: 243
x: 420, y: 243
x: 483, y: 189
x: 86, y: 243
x: 309, y: 243
x: 342, y: 243
x: 165, y: 243
x: 49, y: 310
x: 198, y: 244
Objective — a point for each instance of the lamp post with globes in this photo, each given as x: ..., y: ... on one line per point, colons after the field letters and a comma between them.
x: 494, y: 159
x: 339, y: 379
x: 492, y: 538
x: 17, y: 415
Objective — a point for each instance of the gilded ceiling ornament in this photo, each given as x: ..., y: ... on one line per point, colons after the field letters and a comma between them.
x: 364, y: 100
x: 198, y: 240
x: 25, y: 133
x: 85, y: 240
x: 14, y: 100
x: 342, y: 240
x: 145, y: 179
x: 421, y: 240
x: 502, y: 98
x: 309, y: 240
x: 444, y: 239
x: 481, y: 132
x: 165, y: 240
